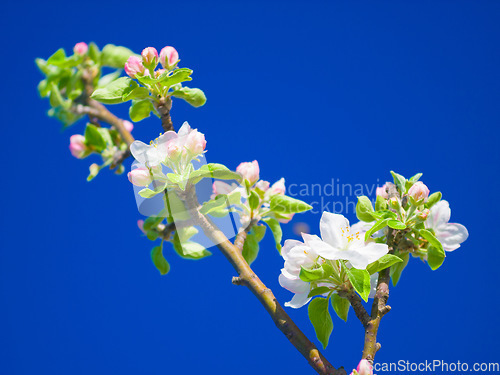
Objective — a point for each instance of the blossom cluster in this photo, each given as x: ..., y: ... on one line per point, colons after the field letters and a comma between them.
x: 147, y: 63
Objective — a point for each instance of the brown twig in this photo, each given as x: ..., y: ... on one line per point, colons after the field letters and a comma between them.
x: 240, y: 239
x: 163, y: 106
x: 248, y: 278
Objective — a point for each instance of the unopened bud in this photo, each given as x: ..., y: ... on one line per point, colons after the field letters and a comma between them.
x: 365, y: 367
x: 424, y: 214
x: 249, y: 171
x: 394, y: 203
x: 134, y: 67
x: 195, y: 142
x: 262, y: 185
x: 150, y: 57
x: 169, y: 57
x: 418, y: 192
x: 140, y: 176
x: 77, y: 145
x: 159, y: 72
x: 80, y: 48
x: 382, y: 191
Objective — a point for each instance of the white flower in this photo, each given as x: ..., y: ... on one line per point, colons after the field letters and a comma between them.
x: 157, y: 152
x: 339, y: 242
x: 362, y: 227
x: 450, y: 235
x: 296, y: 254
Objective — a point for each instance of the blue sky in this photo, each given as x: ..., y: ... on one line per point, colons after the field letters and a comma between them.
x: 314, y: 91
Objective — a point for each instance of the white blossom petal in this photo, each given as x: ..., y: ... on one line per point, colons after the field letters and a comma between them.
x: 331, y: 227
x: 439, y: 215
x: 147, y: 155
x: 361, y: 256
x: 298, y: 301
x: 321, y: 248
x: 294, y: 285
x: 451, y: 235
x: 184, y: 130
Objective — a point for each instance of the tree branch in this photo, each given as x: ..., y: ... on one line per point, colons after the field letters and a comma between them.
x: 240, y: 239
x: 265, y: 296
x: 163, y: 107
x: 357, y: 306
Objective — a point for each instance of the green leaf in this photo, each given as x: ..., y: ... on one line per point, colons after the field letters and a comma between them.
x: 259, y: 231
x: 433, y: 199
x: 195, y: 97
x: 108, y: 78
x: 399, y: 181
x: 386, y: 261
x: 398, y: 268
x: 321, y: 319
x: 275, y: 227
x: 158, y: 259
x: 435, y: 257
x: 416, y: 177
x: 382, y: 223
x: 135, y: 93
x: 221, y: 202
x: 250, y: 248
x: 189, y: 249
x: 148, y: 193
x: 360, y: 280
x: 213, y: 170
x: 341, y: 306
x: 58, y: 58
x: 283, y: 204
x: 115, y: 56
x: 396, y: 224
x: 364, y: 209
x: 254, y: 200
x: 381, y: 203
x: 152, y: 222
x: 94, y: 138
x: 140, y: 110
x: 94, y: 171
x: 94, y: 52
x: 435, y: 252
x: 322, y: 272
x: 318, y: 291
x: 114, y: 91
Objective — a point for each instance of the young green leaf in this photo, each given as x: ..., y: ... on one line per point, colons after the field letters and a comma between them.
x: 380, y: 203
x: 360, y: 280
x: 318, y: 291
x: 433, y: 199
x: 435, y: 257
x: 254, y: 200
x: 416, y: 177
x: 399, y: 181
x: 286, y: 205
x: 140, y: 110
x: 195, y: 97
x: 213, y: 170
x: 159, y: 261
x: 113, y: 92
x: 275, y: 227
x: 364, y: 209
x: 115, y: 56
x: 382, y: 223
x: 250, y: 248
x: 94, y: 138
x: 322, y: 272
x: 321, y: 319
x: 386, y: 261
x: 396, y: 224
x: 341, y: 306
x: 397, y: 268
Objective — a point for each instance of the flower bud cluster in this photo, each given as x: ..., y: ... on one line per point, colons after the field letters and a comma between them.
x: 147, y: 63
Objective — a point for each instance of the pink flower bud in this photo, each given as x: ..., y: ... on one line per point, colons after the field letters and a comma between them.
x: 382, y: 191
x: 149, y: 56
x: 80, y: 48
x: 140, y: 176
x: 365, y: 368
x: 128, y: 125
x: 134, y: 66
x: 278, y: 187
x: 262, y: 185
x: 77, y: 145
x: 419, y: 192
x: 423, y: 215
x: 140, y: 224
x: 249, y: 171
x: 169, y: 57
x: 195, y: 142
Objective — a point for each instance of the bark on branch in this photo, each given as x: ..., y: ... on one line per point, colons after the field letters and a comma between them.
x: 265, y: 296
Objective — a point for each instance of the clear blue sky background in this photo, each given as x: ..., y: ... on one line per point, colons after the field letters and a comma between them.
x: 314, y: 90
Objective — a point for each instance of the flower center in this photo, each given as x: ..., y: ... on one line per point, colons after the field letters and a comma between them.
x: 346, y: 232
